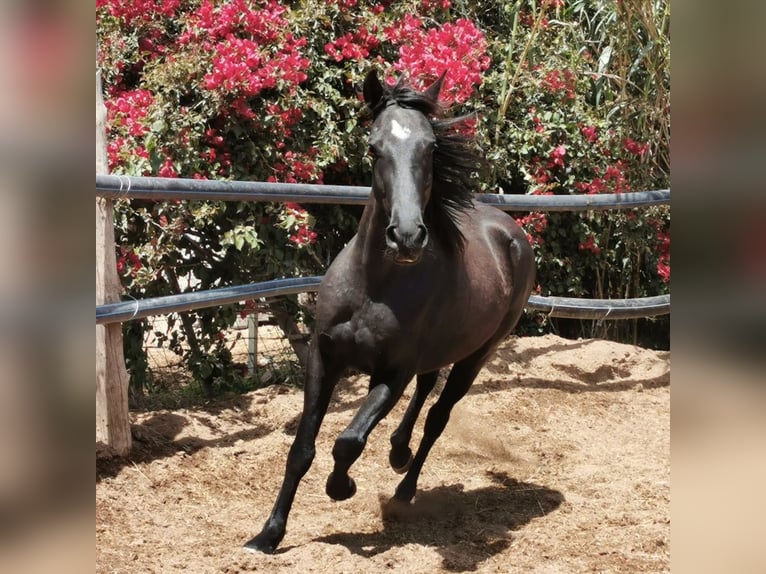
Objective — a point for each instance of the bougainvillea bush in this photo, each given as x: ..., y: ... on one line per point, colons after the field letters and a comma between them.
x: 570, y: 97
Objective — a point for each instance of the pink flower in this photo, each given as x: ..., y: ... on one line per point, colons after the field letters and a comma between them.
x: 297, y: 167
x: 129, y: 110
x: 590, y: 245
x: 139, y: 10
x: 405, y: 30
x: 304, y: 236
x: 560, y: 82
x: 352, y: 46
x: 243, y: 66
x: 663, y: 248
x: 613, y: 172
x: 635, y: 148
x: 557, y: 155
x: 458, y: 48
x: 534, y: 225
x: 128, y: 261
x: 590, y: 133
x: 167, y: 169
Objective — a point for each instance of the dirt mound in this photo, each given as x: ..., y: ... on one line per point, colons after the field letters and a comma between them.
x: 558, y: 460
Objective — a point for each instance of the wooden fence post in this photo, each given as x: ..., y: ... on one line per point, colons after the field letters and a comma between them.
x: 112, y: 419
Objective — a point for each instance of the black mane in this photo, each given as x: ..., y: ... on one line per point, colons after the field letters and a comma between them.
x: 456, y: 158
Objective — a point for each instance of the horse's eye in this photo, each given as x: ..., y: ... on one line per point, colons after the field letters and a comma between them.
x: 372, y: 151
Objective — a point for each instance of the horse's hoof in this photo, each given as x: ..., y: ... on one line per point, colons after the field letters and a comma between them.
x: 339, y: 489
x: 400, y: 461
x: 404, y: 492
x: 262, y: 543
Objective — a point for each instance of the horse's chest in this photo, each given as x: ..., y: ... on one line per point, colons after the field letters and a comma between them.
x: 370, y: 337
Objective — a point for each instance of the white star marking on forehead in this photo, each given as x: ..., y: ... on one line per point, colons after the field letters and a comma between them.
x: 399, y: 131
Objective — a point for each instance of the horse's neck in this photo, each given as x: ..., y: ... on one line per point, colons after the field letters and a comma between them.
x: 371, y: 234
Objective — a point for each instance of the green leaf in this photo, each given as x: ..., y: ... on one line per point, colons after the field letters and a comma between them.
x: 603, y: 59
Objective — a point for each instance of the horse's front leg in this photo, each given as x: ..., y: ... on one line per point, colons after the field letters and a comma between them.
x: 384, y: 392
x: 317, y: 392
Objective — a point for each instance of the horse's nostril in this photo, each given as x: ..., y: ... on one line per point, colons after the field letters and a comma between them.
x: 422, y: 237
x: 391, y: 235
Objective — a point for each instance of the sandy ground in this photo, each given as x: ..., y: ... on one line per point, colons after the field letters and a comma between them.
x: 558, y: 460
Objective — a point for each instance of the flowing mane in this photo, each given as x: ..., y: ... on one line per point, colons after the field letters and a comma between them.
x: 456, y: 158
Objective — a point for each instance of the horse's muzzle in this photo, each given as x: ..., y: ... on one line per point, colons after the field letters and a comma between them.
x: 406, y: 246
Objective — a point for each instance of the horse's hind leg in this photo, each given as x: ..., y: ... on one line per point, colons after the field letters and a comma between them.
x: 460, y: 379
x: 400, y: 456
x: 350, y: 444
x: 318, y: 390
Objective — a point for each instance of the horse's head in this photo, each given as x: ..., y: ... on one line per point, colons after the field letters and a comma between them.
x: 402, y: 144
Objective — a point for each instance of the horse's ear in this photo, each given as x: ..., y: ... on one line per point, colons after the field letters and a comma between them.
x: 433, y: 90
x: 372, y: 89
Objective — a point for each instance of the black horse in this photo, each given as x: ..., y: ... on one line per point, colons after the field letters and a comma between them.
x: 430, y: 279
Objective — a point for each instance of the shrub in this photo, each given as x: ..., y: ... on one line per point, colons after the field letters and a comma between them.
x: 579, y: 104
x: 570, y: 98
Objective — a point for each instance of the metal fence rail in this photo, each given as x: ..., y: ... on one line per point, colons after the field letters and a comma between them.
x: 140, y: 308
x: 563, y: 307
x: 600, y: 309
x: 160, y: 188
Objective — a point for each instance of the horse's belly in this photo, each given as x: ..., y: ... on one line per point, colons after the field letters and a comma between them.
x: 461, y: 332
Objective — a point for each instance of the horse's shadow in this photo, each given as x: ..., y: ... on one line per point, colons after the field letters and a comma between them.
x: 465, y: 527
